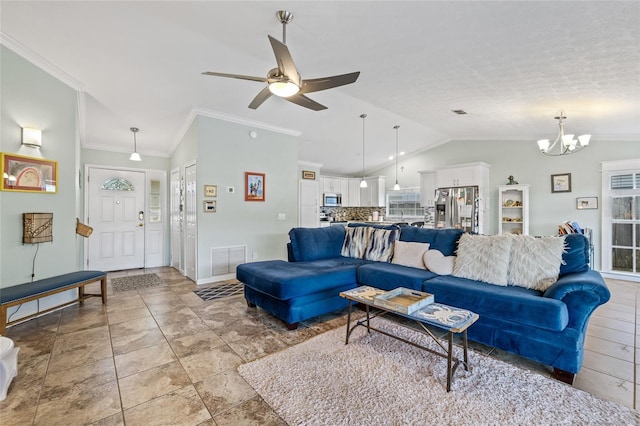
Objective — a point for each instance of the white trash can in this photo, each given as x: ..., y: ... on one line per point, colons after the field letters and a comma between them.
x: 8, y: 364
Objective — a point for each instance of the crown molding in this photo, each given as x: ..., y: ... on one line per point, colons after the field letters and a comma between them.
x: 37, y: 60
x: 195, y: 112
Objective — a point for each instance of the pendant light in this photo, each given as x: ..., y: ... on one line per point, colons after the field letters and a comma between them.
x: 396, y: 187
x: 134, y: 155
x: 363, y: 182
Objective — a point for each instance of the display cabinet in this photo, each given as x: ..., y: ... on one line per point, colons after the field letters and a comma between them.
x: 513, y: 209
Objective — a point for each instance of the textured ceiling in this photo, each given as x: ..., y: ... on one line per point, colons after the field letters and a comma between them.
x: 511, y: 65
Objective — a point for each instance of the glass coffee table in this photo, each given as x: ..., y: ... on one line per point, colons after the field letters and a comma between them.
x: 444, y: 317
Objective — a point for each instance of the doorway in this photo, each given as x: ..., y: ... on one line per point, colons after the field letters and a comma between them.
x: 115, y: 209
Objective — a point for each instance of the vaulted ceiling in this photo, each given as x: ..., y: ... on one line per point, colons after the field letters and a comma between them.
x: 512, y: 66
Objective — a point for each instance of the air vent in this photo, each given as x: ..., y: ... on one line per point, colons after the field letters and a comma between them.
x: 225, y: 259
x: 459, y: 111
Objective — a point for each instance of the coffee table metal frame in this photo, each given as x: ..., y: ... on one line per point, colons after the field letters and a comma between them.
x: 452, y: 361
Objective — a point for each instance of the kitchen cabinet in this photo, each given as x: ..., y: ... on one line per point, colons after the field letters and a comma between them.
x: 353, y: 195
x: 470, y: 174
x: 427, y: 188
x: 374, y: 194
x: 513, y: 209
x: 330, y: 184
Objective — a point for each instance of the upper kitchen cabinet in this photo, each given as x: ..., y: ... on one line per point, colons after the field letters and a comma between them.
x: 470, y: 174
x: 352, y: 198
x: 374, y: 194
x: 330, y: 184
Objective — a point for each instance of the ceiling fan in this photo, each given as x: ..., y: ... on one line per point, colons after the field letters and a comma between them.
x: 285, y: 80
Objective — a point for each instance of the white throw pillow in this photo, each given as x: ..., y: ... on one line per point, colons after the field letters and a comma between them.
x: 483, y: 258
x: 355, y: 242
x: 438, y: 263
x: 535, y: 262
x: 409, y: 254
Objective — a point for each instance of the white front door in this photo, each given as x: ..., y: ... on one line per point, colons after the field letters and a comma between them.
x: 115, y: 206
x: 191, y: 229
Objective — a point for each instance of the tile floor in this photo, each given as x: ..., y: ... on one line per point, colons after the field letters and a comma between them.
x: 164, y: 356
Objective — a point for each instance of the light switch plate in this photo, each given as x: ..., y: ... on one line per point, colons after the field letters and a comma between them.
x: 282, y: 216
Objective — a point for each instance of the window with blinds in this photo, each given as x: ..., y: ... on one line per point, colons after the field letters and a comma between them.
x: 625, y: 222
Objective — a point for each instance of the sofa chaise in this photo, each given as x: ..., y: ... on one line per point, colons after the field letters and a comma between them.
x: 544, y: 320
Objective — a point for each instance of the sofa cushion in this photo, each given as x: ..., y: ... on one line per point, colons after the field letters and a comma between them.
x: 483, y: 258
x: 286, y: 280
x: 443, y: 240
x: 535, y: 262
x: 576, y: 255
x: 356, y: 240
x: 512, y: 304
x: 409, y: 254
x: 380, y: 244
x: 389, y: 276
x: 316, y: 243
x: 438, y: 263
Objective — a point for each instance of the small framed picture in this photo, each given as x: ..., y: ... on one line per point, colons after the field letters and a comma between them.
x: 254, y: 186
x: 211, y: 190
x: 586, y: 203
x: 308, y: 174
x: 210, y: 206
x: 561, y: 182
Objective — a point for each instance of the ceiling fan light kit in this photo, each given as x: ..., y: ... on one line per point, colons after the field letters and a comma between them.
x: 285, y: 81
x: 563, y: 144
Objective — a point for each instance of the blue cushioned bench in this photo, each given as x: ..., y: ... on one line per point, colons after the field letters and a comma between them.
x: 23, y: 293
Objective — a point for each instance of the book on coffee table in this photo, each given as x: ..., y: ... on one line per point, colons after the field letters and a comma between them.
x: 364, y: 294
x: 446, y: 316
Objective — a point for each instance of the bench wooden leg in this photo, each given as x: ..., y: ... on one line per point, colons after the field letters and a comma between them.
x: 81, y: 294
x: 103, y: 289
x: 3, y: 320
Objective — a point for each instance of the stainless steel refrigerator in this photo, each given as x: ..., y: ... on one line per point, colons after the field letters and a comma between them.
x: 457, y: 208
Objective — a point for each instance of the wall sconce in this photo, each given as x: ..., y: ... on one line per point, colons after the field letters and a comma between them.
x: 31, y: 137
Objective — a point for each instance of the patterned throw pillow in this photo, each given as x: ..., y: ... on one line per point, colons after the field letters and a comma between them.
x: 355, y: 241
x: 380, y: 246
x: 409, y: 254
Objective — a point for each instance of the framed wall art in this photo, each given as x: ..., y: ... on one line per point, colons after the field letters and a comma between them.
x: 28, y: 174
x: 210, y: 206
x: 561, y: 182
x: 586, y: 203
x: 254, y: 186
x: 211, y: 190
x: 308, y: 174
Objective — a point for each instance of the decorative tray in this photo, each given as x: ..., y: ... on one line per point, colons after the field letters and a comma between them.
x: 403, y: 300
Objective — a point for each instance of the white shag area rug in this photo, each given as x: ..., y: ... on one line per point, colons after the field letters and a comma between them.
x: 378, y: 380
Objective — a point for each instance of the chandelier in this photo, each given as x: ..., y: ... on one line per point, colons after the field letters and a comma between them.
x: 564, y: 144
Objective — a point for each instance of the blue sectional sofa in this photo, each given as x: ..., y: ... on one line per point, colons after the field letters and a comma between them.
x: 545, y: 326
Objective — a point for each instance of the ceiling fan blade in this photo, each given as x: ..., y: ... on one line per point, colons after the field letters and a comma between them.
x: 260, y: 98
x: 317, y: 84
x: 241, y: 77
x: 302, y: 100
x: 284, y: 60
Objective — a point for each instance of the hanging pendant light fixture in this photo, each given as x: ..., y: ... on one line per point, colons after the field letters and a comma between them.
x: 564, y: 144
x: 134, y: 155
x: 396, y: 187
x: 363, y: 182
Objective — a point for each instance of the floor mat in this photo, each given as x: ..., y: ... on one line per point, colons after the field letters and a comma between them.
x: 135, y: 282
x: 220, y: 291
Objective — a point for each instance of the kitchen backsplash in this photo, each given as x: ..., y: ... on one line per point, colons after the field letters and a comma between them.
x: 353, y: 213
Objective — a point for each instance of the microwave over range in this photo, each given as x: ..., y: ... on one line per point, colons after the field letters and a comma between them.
x: 330, y: 199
